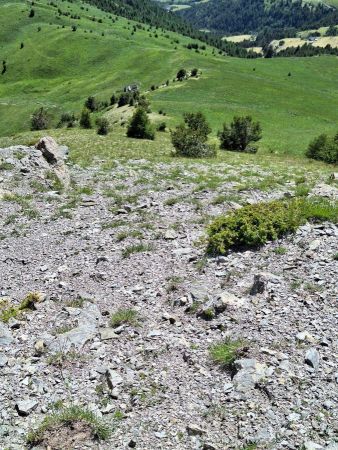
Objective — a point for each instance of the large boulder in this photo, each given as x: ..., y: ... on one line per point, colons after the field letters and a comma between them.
x: 55, y: 155
x: 51, y: 151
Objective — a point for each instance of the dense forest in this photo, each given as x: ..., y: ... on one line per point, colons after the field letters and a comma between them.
x: 150, y: 13
x: 247, y: 16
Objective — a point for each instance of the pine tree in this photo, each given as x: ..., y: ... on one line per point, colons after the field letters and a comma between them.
x: 140, y: 126
x: 85, y: 120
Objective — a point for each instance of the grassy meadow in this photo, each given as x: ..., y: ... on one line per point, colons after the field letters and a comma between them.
x: 59, y: 68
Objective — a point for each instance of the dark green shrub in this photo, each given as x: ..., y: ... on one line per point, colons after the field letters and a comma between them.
x: 194, y: 72
x: 197, y: 123
x: 188, y: 143
x: 239, y: 136
x: 40, y: 120
x: 91, y: 104
x: 324, y: 148
x: 140, y: 126
x: 103, y: 126
x: 161, y: 126
x: 85, y: 119
x: 190, y: 138
x: 181, y: 74
x: 332, y: 31
x: 254, y: 225
x: 67, y: 119
x: 143, y: 103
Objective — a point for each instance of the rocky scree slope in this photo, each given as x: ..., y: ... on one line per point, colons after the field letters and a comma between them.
x: 126, y: 239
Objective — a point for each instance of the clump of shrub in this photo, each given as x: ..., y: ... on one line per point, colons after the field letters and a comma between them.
x: 254, y: 225
x: 161, y: 126
x: 40, y: 120
x: 67, y: 119
x: 324, y: 148
x: 85, y: 119
x: 140, y: 126
x: 240, y: 135
x: 102, y: 126
x: 190, y: 138
x: 181, y: 74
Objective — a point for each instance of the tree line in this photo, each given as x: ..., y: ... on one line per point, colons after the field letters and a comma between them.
x: 248, y: 16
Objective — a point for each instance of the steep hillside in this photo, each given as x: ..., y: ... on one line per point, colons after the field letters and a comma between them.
x: 243, y: 16
x: 59, y: 68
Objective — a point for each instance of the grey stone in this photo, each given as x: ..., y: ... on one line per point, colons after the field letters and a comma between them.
x: 305, y: 336
x: 312, y: 358
x: 228, y: 387
x: 114, y: 379
x: 25, y: 407
x: 86, y: 330
x: 249, y: 373
x: 107, y: 333
x: 170, y: 235
x: 195, y: 430
x: 5, y: 335
x: 3, y: 360
x: 310, y: 445
x: 160, y: 434
x: 262, y: 281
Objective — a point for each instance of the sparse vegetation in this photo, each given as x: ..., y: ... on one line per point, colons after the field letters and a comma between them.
x: 226, y: 352
x: 9, y: 311
x: 137, y: 248
x: 68, y: 417
x: 124, y: 316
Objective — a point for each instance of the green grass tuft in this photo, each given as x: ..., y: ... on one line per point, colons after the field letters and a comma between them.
x: 137, y: 248
x: 67, y: 417
x: 124, y: 316
x: 226, y: 352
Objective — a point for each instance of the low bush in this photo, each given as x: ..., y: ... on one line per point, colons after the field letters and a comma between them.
x: 102, y: 126
x: 40, y: 120
x: 254, y: 225
x: 188, y: 144
x: 190, y: 139
x: 324, y: 148
x: 8, y: 311
x: 240, y: 135
x: 85, y: 119
x: 161, y: 126
x: 67, y: 119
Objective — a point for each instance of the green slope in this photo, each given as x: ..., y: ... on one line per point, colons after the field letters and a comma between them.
x: 59, y: 68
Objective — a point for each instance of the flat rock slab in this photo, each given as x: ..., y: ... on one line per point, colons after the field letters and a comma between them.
x: 6, y: 337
